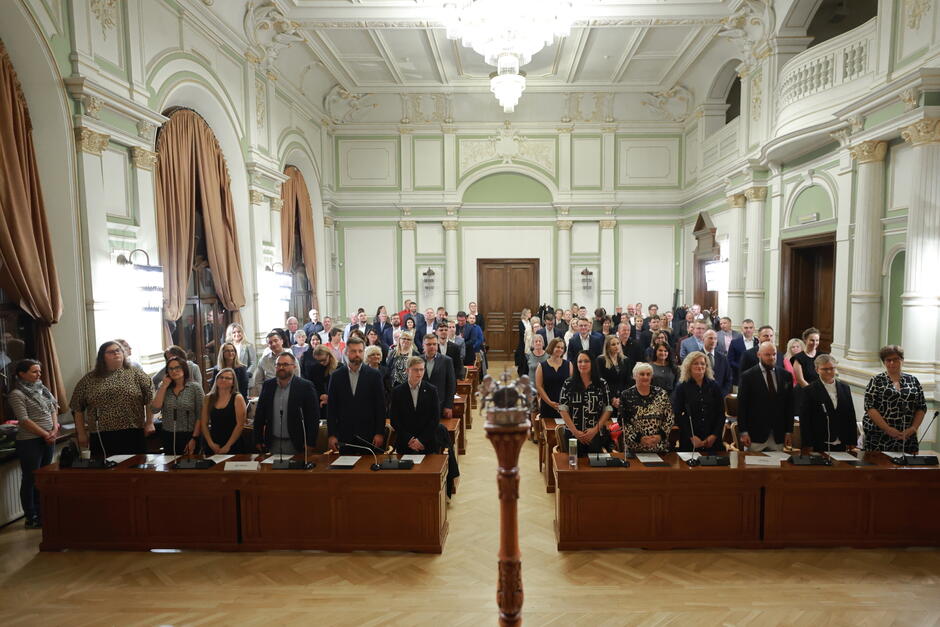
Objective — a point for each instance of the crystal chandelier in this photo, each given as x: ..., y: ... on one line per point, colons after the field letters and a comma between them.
x: 507, y: 33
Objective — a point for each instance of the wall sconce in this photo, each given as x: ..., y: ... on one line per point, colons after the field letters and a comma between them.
x: 428, y: 279
x: 587, y: 279
x: 145, y: 281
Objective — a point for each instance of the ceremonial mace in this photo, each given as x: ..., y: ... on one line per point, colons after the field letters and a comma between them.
x: 506, y: 406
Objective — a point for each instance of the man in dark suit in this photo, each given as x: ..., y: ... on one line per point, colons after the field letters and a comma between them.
x: 357, y: 403
x: 827, y: 413
x: 288, y: 407
x: 739, y: 345
x: 718, y: 362
x: 384, y: 329
x: 451, y: 349
x: 749, y: 359
x: 585, y: 340
x: 653, y: 313
x: 439, y: 372
x: 631, y: 348
x: 549, y: 331
x: 765, y: 403
x: 472, y: 337
x: 726, y: 335
x: 361, y: 324
x: 414, y: 412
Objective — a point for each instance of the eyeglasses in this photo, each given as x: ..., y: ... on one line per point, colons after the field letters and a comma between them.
x: 174, y: 369
x: 114, y: 351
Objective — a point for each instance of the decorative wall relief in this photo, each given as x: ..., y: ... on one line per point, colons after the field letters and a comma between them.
x: 757, y: 95
x: 507, y: 147
x: 916, y: 9
x: 673, y: 104
x: 593, y: 107
x: 427, y: 109
x: 105, y: 11
x: 343, y: 106
x: 260, y: 104
x: 269, y: 32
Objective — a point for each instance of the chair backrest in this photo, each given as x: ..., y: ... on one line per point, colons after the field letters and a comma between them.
x: 731, y: 406
x: 673, y: 437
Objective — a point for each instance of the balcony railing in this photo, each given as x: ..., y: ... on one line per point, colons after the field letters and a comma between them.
x: 840, y: 60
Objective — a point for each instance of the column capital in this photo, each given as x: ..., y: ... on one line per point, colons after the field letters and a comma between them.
x: 756, y: 194
x: 870, y: 151
x: 926, y: 131
x: 608, y: 224
x: 143, y: 159
x: 450, y: 225
x: 563, y: 225
x: 277, y: 204
x: 407, y: 225
x: 255, y: 197
x: 737, y: 201
x: 329, y: 222
x: 92, y: 142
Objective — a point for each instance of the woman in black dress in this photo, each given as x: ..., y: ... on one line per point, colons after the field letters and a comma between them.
x: 318, y: 373
x: 228, y: 358
x: 550, y: 376
x: 584, y: 405
x: 894, y: 406
x: 614, y: 368
x: 804, y: 366
x: 223, y: 415
x: 698, y: 406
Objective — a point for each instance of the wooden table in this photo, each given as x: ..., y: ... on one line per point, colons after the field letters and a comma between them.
x: 745, y: 506
x: 457, y: 434
x: 214, y: 509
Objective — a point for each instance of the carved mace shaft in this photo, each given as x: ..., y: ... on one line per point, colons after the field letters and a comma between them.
x: 507, y: 441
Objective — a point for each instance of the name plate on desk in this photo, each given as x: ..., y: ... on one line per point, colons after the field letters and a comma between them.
x: 650, y: 459
x: 345, y: 461
x: 241, y: 465
x: 760, y: 460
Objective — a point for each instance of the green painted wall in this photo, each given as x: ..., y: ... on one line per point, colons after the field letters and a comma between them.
x: 507, y: 187
x: 895, y: 288
x: 813, y: 199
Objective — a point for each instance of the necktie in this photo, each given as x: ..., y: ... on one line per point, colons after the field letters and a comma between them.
x: 771, y: 389
x: 711, y: 361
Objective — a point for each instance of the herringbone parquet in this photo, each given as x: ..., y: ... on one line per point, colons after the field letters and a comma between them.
x: 715, y: 587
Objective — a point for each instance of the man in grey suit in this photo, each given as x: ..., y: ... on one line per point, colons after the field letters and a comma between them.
x: 439, y: 372
x: 695, y: 341
x: 726, y: 335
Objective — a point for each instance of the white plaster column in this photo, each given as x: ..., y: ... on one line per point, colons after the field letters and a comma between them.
x: 409, y: 281
x: 563, y: 274
x: 921, y: 297
x: 736, y: 259
x: 754, y: 279
x: 451, y: 260
x: 332, y: 269
x: 865, y: 296
x: 608, y: 264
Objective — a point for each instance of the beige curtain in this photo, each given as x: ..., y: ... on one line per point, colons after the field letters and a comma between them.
x: 28, y: 268
x: 190, y: 167
x: 297, y: 202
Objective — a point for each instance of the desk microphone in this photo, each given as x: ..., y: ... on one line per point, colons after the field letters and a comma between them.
x: 292, y: 464
x: 919, y: 460
x: 375, y: 459
x: 95, y: 463
x: 392, y: 463
x: 109, y: 464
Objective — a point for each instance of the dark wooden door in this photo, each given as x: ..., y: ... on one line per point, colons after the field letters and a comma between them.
x: 504, y: 287
x: 707, y: 299
x: 807, y: 290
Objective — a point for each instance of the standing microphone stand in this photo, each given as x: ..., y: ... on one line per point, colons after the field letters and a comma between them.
x: 94, y: 463
x: 507, y: 406
x: 816, y: 460
x: 189, y: 463
x: 703, y: 460
x: 919, y: 460
x: 293, y: 464
x: 375, y: 465
x: 390, y: 463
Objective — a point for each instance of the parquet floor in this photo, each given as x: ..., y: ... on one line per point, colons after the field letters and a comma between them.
x: 714, y: 587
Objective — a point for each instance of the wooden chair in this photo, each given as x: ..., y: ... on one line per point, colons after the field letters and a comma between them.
x: 728, y: 436
x: 673, y: 438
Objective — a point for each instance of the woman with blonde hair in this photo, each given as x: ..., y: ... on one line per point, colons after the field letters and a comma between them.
x: 223, y: 415
x: 228, y: 358
x: 247, y: 355
x: 614, y: 367
x: 698, y: 406
x: 794, y: 347
x: 397, y: 360
x: 525, y: 341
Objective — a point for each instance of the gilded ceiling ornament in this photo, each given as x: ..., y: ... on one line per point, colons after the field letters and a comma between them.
x: 105, y: 11
x: 269, y: 32
x: 440, y: 109
x: 750, y: 29
x: 599, y: 109
x: 673, y: 104
x: 343, y: 106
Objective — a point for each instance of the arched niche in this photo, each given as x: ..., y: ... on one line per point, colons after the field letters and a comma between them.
x: 811, y: 200
x: 209, y: 105
x: 507, y: 188
x: 53, y: 139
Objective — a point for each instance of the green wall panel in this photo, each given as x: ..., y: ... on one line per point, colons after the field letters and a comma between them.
x: 507, y: 187
x: 813, y: 199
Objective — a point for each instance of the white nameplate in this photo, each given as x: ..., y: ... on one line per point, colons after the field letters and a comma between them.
x: 417, y: 459
x: 778, y: 455
x: 648, y: 458
x: 345, y: 461
x: 686, y: 456
x: 117, y: 459
x: 893, y: 454
x: 839, y: 456
x: 241, y: 465
x: 761, y: 461
x: 161, y: 460
x: 220, y: 458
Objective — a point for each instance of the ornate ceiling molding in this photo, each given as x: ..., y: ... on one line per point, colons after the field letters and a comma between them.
x: 343, y: 106
x: 603, y: 22
x: 673, y: 104
x: 269, y: 32
x: 600, y: 110
x: 440, y: 109
x: 106, y: 12
x: 750, y: 28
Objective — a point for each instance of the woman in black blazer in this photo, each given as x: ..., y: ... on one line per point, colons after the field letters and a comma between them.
x: 839, y: 432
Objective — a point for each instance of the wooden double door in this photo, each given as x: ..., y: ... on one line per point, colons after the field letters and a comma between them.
x: 807, y: 296
x: 504, y: 288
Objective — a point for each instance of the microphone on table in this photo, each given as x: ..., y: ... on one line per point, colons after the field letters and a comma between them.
x: 109, y: 464
x: 919, y: 460
x: 390, y: 464
x: 375, y: 459
x: 292, y: 464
